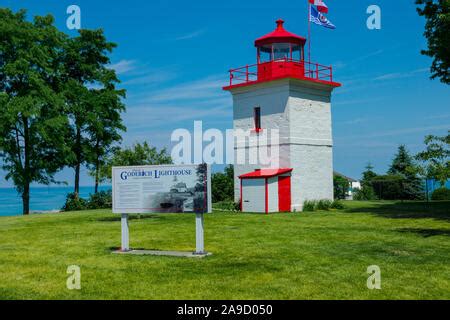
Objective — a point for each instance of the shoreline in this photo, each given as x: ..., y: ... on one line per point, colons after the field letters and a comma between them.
x: 47, y: 199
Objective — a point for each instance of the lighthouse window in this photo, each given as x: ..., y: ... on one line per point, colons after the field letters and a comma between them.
x: 281, y: 51
x: 257, y: 116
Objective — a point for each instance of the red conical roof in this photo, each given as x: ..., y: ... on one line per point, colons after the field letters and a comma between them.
x: 280, y: 35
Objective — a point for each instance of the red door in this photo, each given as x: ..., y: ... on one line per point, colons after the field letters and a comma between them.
x: 284, y: 194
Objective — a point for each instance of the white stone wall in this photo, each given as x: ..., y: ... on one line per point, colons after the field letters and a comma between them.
x: 311, y: 143
x: 301, y: 111
x: 272, y: 193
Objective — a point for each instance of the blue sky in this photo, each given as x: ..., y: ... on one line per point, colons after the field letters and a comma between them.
x: 173, y: 57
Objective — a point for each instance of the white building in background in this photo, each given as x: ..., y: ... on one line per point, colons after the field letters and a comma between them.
x: 353, y: 185
x: 283, y: 91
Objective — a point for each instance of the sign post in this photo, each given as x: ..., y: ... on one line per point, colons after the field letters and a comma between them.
x: 125, y: 233
x: 199, y: 236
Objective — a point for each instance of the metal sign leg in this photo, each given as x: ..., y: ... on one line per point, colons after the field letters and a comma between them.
x: 125, y: 233
x: 199, y: 238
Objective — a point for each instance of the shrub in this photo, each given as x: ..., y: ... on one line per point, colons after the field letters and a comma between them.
x: 237, y: 206
x: 74, y: 203
x: 337, y: 205
x: 227, y: 205
x: 341, y: 187
x: 324, y: 204
x: 222, y: 184
x: 309, y: 205
x: 100, y: 200
x: 441, y: 194
x: 366, y: 193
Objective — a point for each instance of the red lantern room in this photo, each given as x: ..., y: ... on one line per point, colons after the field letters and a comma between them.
x: 280, y: 45
x: 280, y: 54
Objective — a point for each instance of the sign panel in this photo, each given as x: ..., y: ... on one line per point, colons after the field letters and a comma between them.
x: 162, y: 189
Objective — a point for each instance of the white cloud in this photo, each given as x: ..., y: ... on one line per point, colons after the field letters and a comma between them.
x: 201, y: 99
x: 123, y: 66
x: 191, y: 35
x: 146, y: 117
x: 353, y: 121
x: 439, y: 116
x: 151, y: 77
x: 367, y: 56
x: 397, y: 132
x: 357, y: 101
x: 401, y: 75
x: 206, y: 89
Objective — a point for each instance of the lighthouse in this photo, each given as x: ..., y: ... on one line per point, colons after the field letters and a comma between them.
x: 285, y: 92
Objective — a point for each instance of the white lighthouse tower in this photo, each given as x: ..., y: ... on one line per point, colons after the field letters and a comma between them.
x: 285, y: 92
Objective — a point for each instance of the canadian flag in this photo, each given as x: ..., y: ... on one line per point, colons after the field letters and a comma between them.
x: 321, y: 6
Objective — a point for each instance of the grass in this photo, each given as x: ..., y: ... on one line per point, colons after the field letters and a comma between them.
x: 317, y: 255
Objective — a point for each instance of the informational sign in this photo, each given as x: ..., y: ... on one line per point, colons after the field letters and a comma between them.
x: 162, y: 189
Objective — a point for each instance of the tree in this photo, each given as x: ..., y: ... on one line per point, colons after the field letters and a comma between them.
x: 436, y: 158
x: 85, y: 61
x: 389, y: 187
x: 103, y: 128
x: 368, y: 174
x: 223, y: 185
x: 200, y: 200
x: 341, y: 187
x: 437, y: 30
x: 366, y: 192
x: 137, y: 155
x: 32, y: 118
x: 404, y: 167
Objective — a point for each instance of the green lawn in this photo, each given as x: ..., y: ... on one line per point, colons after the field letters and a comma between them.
x: 318, y: 255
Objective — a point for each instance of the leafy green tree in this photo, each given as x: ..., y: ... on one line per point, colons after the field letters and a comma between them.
x: 200, y: 200
x: 103, y: 129
x: 441, y: 194
x: 32, y: 118
x: 436, y: 158
x: 223, y: 185
x: 85, y: 61
x: 403, y: 165
x: 368, y: 174
x: 341, y: 187
x: 389, y: 187
x: 366, y: 193
x: 137, y: 155
x: 437, y: 30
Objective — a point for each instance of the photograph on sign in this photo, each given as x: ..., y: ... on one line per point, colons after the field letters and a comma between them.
x: 162, y: 189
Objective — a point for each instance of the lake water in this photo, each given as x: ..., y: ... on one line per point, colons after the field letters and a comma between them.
x: 41, y: 198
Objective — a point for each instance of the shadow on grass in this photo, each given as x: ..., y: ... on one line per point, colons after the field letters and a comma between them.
x: 426, y: 233
x: 113, y: 249
x: 131, y: 217
x: 407, y: 210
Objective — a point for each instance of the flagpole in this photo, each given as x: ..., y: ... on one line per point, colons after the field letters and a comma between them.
x: 309, y: 32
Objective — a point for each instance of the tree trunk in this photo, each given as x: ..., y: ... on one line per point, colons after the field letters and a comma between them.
x: 77, y: 180
x: 26, y: 171
x: 96, y: 177
x: 97, y: 166
x: 78, y: 162
x: 26, y: 199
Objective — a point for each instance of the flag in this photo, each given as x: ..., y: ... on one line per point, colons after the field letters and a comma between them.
x: 318, y: 18
x: 321, y: 6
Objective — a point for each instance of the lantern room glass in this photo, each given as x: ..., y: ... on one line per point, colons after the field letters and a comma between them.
x: 280, y: 51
